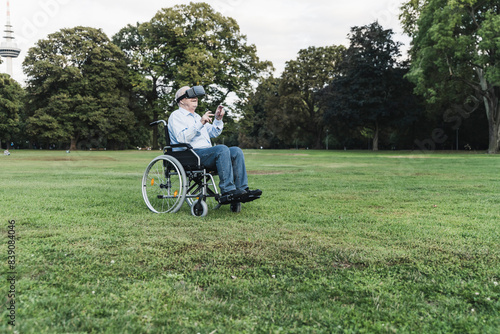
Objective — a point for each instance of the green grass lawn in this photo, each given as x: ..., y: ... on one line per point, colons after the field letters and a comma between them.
x: 340, y: 242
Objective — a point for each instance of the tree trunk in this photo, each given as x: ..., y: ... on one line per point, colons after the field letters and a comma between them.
x: 490, y: 98
x: 155, y: 131
x: 318, y: 141
x: 153, y: 102
x: 72, y: 146
x: 493, y: 140
x: 375, y: 137
x: 493, y: 114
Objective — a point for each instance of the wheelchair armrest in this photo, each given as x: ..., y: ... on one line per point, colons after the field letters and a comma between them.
x: 185, y: 145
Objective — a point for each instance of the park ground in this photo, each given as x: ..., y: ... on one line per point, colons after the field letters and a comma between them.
x: 340, y: 242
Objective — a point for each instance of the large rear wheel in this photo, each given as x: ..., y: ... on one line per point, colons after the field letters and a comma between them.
x: 164, y: 185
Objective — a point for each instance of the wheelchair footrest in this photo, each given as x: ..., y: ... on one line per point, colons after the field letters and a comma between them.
x: 249, y: 198
x: 229, y: 199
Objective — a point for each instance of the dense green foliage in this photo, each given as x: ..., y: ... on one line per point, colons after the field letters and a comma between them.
x: 456, y: 55
x: 188, y: 45
x: 257, y: 128
x: 370, y: 91
x: 84, y: 90
x: 298, y: 111
x: 340, y: 242
x: 11, y: 102
x: 76, y: 89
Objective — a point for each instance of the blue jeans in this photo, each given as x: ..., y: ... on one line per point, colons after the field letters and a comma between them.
x: 229, y: 163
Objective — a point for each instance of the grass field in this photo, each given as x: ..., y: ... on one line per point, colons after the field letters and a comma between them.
x: 340, y: 242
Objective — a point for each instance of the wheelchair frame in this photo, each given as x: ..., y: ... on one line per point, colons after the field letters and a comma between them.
x: 177, y: 177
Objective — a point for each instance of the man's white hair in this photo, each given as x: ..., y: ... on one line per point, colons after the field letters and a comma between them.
x: 180, y: 92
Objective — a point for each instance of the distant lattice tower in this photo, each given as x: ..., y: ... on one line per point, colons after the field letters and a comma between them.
x: 8, y: 48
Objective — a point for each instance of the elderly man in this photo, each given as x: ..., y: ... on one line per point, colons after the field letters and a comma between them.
x: 186, y: 126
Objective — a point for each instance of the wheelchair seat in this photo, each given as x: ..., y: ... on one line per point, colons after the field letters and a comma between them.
x: 188, y: 158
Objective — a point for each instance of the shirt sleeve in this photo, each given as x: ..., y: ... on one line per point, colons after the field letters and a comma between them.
x: 215, y: 129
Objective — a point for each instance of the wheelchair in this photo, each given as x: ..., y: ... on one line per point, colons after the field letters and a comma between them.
x: 177, y: 177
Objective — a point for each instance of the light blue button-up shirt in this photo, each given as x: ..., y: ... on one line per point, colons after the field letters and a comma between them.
x: 186, y: 127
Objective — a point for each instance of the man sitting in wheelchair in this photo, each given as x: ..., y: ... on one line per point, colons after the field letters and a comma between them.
x: 186, y: 126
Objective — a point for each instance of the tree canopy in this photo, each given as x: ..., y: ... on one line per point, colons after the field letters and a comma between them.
x: 370, y: 90
x: 456, y: 54
x: 11, y: 102
x: 76, y: 88
x: 298, y: 111
x: 188, y: 45
x: 256, y: 127
x: 89, y: 91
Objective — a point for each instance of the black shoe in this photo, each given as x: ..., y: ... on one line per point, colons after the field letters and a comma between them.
x: 232, y: 196
x: 256, y: 192
x: 251, y: 195
x: 235, y: 193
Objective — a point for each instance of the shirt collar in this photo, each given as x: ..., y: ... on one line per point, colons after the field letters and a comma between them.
x: 186, y: 112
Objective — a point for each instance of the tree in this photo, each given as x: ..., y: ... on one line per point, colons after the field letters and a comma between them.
x: 145, y: 75
x: 77, y: 89
x: 190, y: 45
x: 370, y: 91
x: 11, y: 101
x: 256, y: 130
x: 456, y: 54
x: 299, y: 113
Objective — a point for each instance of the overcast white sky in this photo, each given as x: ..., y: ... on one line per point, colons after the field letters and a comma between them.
x: 278, y: 28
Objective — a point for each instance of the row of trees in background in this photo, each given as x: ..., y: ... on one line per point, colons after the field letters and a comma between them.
x: 346, y: 94
x: 86, y: 90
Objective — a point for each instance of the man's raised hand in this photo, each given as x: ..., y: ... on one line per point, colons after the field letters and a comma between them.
x: 207, y: 117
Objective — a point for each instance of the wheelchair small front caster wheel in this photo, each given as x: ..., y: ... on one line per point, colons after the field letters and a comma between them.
x: 235, y: 207
x: 199, y: 208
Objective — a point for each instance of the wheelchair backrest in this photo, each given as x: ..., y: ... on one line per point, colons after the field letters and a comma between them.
x: 187, y: 157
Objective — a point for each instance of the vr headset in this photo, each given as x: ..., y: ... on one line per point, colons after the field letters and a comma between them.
x: 195, y: 91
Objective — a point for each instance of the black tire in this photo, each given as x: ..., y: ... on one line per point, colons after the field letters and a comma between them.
x: 199, y: 208
x: 235, y: 207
